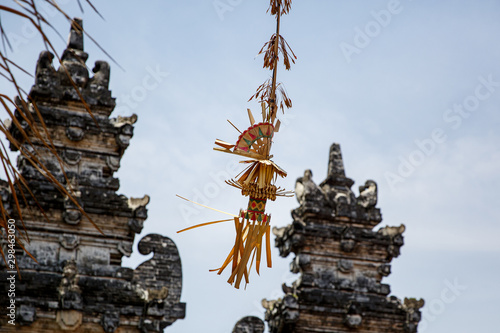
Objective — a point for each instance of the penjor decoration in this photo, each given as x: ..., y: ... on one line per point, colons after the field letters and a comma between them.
x: 257, y: 181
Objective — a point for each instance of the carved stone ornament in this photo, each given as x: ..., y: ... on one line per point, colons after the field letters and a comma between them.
x: 26, y: 314
x: 110, y: 321
x: 69, y: 241
x: 113, y: 162
x: 125, y: 248
x: 345, y: 265
x: 72, y: 216
x: 75, y: 130
x: 69, y: 320
x: 71, y: 157
x: 353, y: 321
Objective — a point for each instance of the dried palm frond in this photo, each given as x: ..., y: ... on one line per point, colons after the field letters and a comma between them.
x: 276, y: 5
x: 263, y: 94
x: 284, y: 97
x: 267, y: 91
x: 270, y: 56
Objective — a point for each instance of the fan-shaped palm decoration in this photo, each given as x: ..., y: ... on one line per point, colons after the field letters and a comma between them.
x: 257, y: 181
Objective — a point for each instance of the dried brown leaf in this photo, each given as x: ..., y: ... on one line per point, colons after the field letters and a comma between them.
x: 276, y: 5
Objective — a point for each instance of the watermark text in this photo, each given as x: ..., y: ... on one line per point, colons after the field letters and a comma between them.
x: 11, y: 264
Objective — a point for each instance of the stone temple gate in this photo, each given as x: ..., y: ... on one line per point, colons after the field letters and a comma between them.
x: 78, y: 283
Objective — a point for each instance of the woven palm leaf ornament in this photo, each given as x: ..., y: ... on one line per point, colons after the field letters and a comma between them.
x: 257, y: 180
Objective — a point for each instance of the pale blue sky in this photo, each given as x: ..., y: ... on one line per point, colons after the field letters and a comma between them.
x: 382, y: 103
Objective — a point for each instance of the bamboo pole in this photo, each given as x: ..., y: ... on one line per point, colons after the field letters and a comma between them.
x: 273, y: 105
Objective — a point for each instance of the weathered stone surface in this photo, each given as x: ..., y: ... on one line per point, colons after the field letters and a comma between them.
x: 78, y: 283
x: 249, y: 324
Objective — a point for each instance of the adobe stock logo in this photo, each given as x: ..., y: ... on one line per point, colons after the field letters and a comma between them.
x: 28, y: 32
x: 372, y: 29
x: 223, y: 6
x: 150, y: 82
x: 454, y: 118
x: 437, y: 306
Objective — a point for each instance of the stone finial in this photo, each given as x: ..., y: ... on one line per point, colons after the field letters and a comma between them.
x: 73, y: 70
x: 101, y: 72
x: 75, y: 39
x: 368, y: 194
x: 335, y: 163
x: 336, y: 174
x: 307, y: 191
x: 45, y: 74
